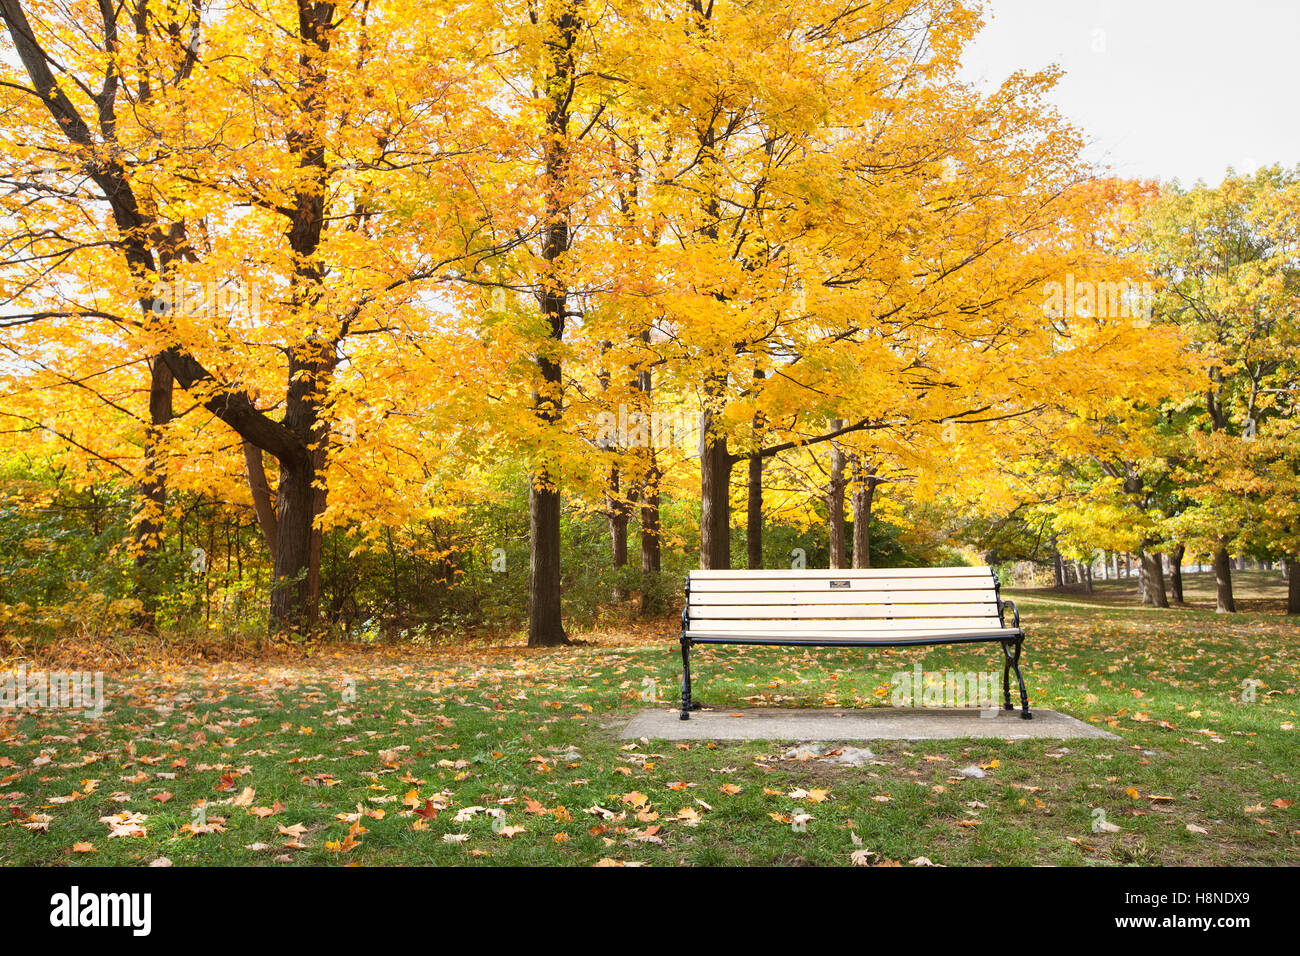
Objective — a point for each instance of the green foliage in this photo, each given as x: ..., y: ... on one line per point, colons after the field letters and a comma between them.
x: 61, y: 557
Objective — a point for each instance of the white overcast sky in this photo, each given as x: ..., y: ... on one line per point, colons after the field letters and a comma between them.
x: 1162, y: 88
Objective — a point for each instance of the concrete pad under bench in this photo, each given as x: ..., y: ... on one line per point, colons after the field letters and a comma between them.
x: 877, y: 723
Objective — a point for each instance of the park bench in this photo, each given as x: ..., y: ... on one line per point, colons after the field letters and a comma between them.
x: 885, y: 607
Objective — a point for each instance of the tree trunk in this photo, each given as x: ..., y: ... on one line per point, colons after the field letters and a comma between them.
x: 321, y: 457
x: 1086, y: 574
x: 715, y: 500
x: 153, y: 489
x: 268, y: 520
x: 1059, y: 568
x: 1293, y: 585
x: 617, y: 512
x: 260, y: 489
x: 290, y: 587
x: 864, y: 495
x: 650, y: 547
x: 291, y: 568
x: 1225, y: 604
x: 1155, y: 580
x: 1176, y: 572
x: 310, y: 367
x: 835, y: 503
x: 754, y: 495
x: 545, y: 624
x: 754, y: 515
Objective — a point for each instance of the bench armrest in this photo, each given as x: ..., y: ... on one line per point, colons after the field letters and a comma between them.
x: 686, y: 606
x: 1002, y: 607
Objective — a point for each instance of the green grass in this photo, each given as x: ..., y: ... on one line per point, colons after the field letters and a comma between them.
x: 1254, y: 592
x: 499, y: 728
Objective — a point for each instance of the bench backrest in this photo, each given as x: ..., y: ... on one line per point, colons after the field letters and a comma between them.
x: 869, y: 602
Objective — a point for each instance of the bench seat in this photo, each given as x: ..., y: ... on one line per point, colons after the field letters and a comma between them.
x: 885, y: 638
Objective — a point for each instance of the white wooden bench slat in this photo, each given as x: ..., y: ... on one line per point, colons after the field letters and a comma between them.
x: 777, y: 573
x: 797, y: 612
x: 869, y: 606
x: 866, y: 636
x: 706, y: 598
x: 873, y: 585
x: 913, y: 625
x: 883, y: 639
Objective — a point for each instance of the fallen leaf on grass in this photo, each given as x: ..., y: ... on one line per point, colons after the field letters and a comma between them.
x: 349, y: 843
x: 125, y: 824
x: 295, y: 834
x: 689, y: 816
x: 210, y: 825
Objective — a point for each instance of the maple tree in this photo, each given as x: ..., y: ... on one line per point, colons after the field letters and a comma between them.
x: 1228, y: 258
x: 165, y: 159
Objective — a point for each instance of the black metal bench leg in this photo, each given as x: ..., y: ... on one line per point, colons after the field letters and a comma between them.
x: 1006, y: 677
x: 1024, y: 696
x: 686, y: 679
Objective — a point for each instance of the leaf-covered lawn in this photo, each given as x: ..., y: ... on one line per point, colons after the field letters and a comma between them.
x: 512, y: 757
